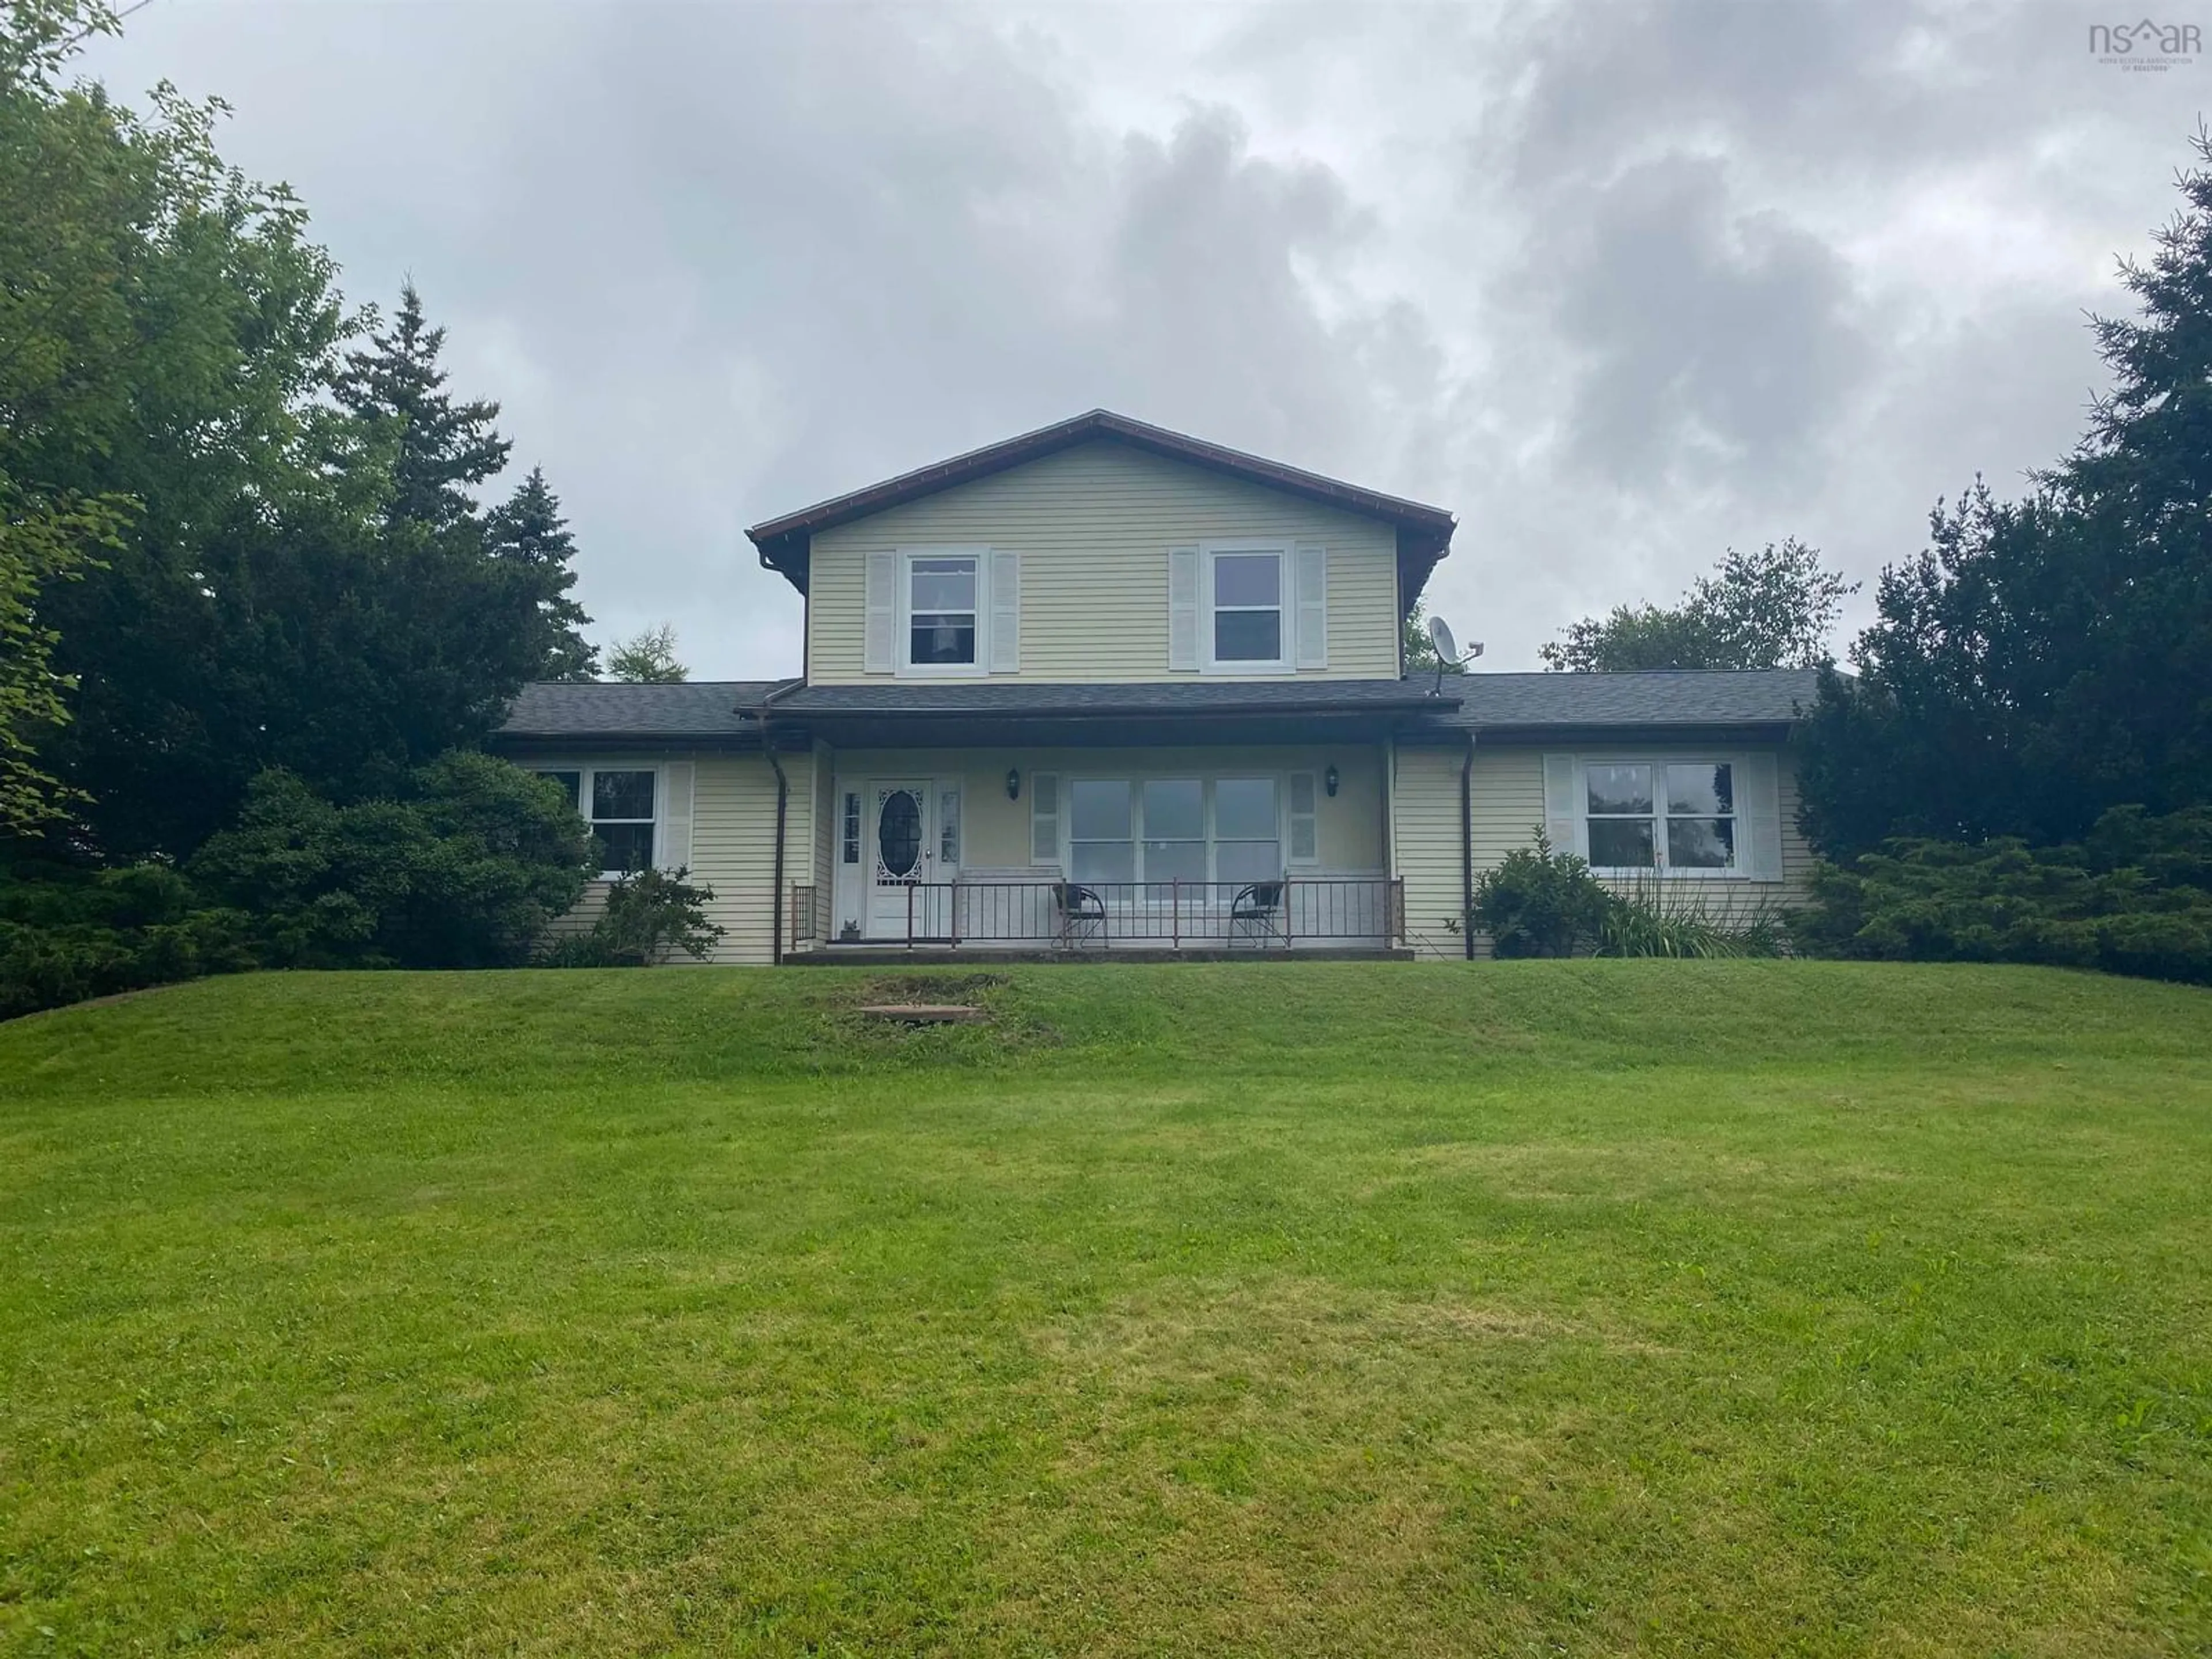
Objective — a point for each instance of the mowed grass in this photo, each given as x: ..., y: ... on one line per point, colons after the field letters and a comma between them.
x: 1569, y: 1307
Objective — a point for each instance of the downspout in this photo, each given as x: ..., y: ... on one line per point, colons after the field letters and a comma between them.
x: 782, y: 810
x: 1467, y: 848
x: 782, y: 814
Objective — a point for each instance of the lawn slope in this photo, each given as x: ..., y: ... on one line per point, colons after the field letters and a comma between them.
x: 1519, y: 1308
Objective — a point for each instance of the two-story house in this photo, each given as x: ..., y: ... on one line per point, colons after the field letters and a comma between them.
x: 1104, y: 686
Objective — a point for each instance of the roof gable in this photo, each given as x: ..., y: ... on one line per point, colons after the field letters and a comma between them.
x: 1424, y: 532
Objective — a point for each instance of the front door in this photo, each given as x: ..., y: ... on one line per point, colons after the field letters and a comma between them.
x: 905, y: 900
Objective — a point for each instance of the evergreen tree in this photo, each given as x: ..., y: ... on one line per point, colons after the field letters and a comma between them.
x: 528, y: 531
x: 2047, y: 660
x: 440, y: 449
x: 205, y: 564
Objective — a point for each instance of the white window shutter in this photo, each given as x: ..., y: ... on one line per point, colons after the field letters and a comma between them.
x: 1183, y: 607
x: 880, y: 654
x: 1044, y: 818
x: 1758, y: 811
x: 1563, y: 812
x: 1005, y: 613
x: 1305, y: 837
x: 677, y: 780
x: 1312, y: 590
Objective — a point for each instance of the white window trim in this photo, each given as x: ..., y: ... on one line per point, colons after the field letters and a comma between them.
x: 1286, y: 608
x: 903, y: 666
x: 1738, y: 871
x: 584, y: 771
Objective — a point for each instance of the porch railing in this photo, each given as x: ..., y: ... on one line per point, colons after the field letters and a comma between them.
x: 1280, y: 915
x: 807, y: 920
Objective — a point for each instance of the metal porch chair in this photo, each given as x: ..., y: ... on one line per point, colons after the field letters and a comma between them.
x: 1082, y: 914
x: 1257, y: 914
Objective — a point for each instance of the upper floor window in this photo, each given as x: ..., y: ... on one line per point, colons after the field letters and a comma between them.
x: 1244, y: 594
x: 941, y: 611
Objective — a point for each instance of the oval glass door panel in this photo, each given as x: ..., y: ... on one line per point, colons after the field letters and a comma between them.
x: 898, y: 836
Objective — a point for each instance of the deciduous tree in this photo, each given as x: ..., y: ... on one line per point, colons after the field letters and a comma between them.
x: 648, y: 657
x: 1776, y: 608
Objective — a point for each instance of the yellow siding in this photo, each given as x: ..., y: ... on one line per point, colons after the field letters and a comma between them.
x: 580, y: 919
x: 1508, y: 803
x: 1093, y: 525
x: 733, y: 845
x: 1425, y: 809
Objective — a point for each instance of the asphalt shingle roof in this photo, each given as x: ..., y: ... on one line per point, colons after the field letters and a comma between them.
x: 1501, y: 702
x: 1140, y: 697
x: 1699, y: 698
x: 704, y: 709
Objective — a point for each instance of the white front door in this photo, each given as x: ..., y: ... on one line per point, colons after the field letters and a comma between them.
x: 905, y: 899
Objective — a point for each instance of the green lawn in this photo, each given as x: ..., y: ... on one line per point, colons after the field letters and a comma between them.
x: 1533, y: 1308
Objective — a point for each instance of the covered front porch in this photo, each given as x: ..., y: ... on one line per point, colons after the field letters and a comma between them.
x: 1233, y: 848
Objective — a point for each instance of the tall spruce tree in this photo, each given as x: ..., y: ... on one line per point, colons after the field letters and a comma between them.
x: 528, y: 531
x: 440, y: 448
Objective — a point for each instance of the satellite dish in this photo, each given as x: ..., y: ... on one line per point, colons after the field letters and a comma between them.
x: 1447, y: 650
x: 1440, y: 636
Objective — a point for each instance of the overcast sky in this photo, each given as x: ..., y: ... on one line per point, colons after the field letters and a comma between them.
x: 1618, y: 285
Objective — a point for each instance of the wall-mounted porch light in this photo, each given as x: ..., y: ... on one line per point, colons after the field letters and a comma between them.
x: 1013, y: 783
x: 1328, y: 780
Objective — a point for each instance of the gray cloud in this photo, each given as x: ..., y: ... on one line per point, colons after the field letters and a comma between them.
x: 1713, y: 342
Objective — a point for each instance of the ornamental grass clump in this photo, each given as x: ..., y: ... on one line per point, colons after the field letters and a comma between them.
x: 1653, y: 917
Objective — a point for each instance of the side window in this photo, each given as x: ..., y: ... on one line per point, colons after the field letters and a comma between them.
x: 1661, y: 815
x: 1619, y: 800
x: 622, y: 816
x: 849, y: 838
x: 1701, y: 816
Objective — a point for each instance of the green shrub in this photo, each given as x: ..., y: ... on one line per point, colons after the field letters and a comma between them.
x: 2134, y: 897
x: 467, y: 872
x: 1539, y: 902
x: 66, y: 934
x: 650, y: 915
